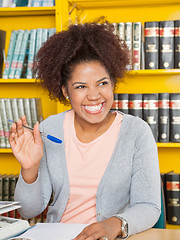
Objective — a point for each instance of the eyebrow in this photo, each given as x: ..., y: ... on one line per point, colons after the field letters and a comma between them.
x: 85, y: 83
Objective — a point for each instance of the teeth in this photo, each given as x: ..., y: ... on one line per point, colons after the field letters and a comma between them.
x: 94, y: 107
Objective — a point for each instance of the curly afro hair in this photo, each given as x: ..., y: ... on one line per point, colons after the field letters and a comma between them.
x: 87, y: 42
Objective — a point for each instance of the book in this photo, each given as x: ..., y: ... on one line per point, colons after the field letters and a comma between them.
x: 115, y: 102
x: 27, y: 111
x: 31, y: 53
x: 16, y: 54
x: 7, y: 103
x: 22, y: 54
x: 163, y: 117
x: 2, y: 47
x: 7, y: 206
x: 151, y: 45
x: 2, y: 136
x: 135, y: 105
x: 174, y: 112
x: 10, y: 54
x: 173, y: 198
x: 123, y: 102
x: 20, y: 106
x: 136, y: 47
x: 150, y: 112
x: 36, y: 110
x: 4, y: 121
x: 128, y: 40
x: 166, y: 44
x: 14, y: 108
x: 120, y: 30
x: 177, y: 44
x: 11, y: 227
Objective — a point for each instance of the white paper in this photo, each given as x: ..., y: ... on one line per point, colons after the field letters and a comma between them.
x: 54, y: 231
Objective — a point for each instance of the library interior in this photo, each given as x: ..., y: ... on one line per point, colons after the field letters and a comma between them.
x: 150, y: 88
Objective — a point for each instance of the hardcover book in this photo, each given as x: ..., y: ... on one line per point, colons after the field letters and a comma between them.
x: 173, y: 197
x: 150, y: 112
x: 2, y: 47
x: 123, y: 100
x: 163, y: 118
x: 128, y: 40
x: 135, y: 105
x: 31, y: 53
x: 174, y: 117
x: 120, y: 31
x: 137, y: 41
x: 166, y: 46
x: 16, y: 54
x: 10, y: 54
x: 151, y: 45
x: 115, y: 102
x: 177, y: 44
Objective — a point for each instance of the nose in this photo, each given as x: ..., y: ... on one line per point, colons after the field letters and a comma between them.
x: 93, y: 94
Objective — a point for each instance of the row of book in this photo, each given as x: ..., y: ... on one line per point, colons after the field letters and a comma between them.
x: 7, y: 189
x: 26, y: 3
x: 171, y: 186
x: 15, y: 108
x: 156, y: 45
x: 160, y: 110
x: 23, y: 47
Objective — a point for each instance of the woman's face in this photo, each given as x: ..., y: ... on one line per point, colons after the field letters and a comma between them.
x: 90, y: 91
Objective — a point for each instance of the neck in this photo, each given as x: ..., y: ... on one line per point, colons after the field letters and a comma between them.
x: 87, y: 132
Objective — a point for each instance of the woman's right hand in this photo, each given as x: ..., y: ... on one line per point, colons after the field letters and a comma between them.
x: 27, y: 147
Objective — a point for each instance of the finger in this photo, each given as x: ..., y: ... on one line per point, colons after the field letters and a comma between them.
x: 94, y: 236
x: 37, y: 134
x: 12, y: 140
x: 24, y: 121
x: 19, y: 127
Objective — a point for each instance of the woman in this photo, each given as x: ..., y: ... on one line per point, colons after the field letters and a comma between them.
x: 105, y: 173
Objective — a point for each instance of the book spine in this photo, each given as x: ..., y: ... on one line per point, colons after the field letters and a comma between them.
x: 177, y: 44
x: 27, y: 111
x: 20, y: 106
x: 173, y: 198
x: 14, y: 109
x: 151, y: 36
x: 4, y: 121
x: 150, y: 112
x: 115, y: 102
x: 166, y: 45
x: 137, y: 36
x: 38, y: 39
x: 115, y: 28
x: 163, y: 118
x: 135, y: 105
x: 22, y: 54
x: 31, y: 53
x: 44, y: 35
x: 8, y: 109
x: 174, y: 117
x: 123, y: 102
x: 16, y: 54
x: 2, y: 47
x: 33, y: 109
x: 51, y: 31
x: 39, y: 110
x: 10, y: 54
x: 1, y: 188
x: 2, y: 136
x: 128, y: 40
x: 120, y: 31
x: 6, y: 188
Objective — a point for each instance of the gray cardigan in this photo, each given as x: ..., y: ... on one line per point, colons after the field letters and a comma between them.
x: 129, y: 188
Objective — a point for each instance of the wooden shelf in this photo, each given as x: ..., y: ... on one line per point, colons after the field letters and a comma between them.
x: 168, y: 145
x: 5, y: 150
x: 27, y: 11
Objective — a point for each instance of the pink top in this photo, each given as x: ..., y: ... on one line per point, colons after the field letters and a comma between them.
x: 86, y: 164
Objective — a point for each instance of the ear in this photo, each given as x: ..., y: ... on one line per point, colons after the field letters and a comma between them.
x: 64, y: 91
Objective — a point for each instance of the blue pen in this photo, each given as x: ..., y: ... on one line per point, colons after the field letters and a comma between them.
x: 50, y: 137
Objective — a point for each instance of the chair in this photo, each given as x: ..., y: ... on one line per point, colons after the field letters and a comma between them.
x: 161, y: 223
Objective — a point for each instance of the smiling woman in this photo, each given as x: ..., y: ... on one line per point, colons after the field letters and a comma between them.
x: 106, y: 172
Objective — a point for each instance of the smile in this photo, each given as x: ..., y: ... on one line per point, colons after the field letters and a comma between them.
x: 93, y: 108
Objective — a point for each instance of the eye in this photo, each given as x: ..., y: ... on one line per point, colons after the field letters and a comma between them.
x: 79, y: 87
x: 103, y: 83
